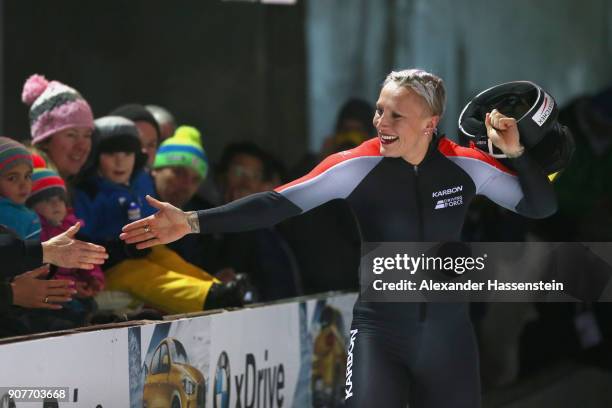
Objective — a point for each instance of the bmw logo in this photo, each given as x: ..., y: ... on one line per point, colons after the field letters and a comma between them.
x: 221, y: 396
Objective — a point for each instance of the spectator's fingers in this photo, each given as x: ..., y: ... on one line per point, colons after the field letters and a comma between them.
x: 43, y: 305
x: 59, y: 283
x: 70, y: 232
x: 89, y: 247
x: 90, y: 258
x: 54, y: 299
x: 88, y: 266
x: 62, y: 292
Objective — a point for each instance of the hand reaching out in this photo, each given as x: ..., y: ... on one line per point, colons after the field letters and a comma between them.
x: 29, y: 290
x: 66, y: 251
x: 167, y: 225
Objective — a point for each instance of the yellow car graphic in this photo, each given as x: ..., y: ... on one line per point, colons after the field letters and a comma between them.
x: 170, y: 381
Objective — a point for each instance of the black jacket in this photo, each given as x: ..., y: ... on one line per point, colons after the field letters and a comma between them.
x: 17, y: 256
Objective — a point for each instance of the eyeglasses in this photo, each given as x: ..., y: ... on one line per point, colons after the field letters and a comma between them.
x: 238, y: 171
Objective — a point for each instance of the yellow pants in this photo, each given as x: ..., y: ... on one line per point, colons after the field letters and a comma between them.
x: 162, y: 279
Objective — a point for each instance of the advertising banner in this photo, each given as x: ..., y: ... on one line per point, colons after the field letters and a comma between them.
x: 91, y: 366
x: 285, y: 355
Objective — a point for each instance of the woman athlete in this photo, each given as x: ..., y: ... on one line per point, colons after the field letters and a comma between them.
x: 399, y: 353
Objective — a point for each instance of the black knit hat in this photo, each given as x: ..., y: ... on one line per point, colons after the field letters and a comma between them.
x: 117, y: 134
x: 137, y: 113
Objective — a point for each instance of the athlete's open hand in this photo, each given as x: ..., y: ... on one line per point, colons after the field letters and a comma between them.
x: 503, y: 133
x: 166, y: 225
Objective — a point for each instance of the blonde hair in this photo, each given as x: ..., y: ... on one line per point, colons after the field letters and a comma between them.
x: 429, y: 86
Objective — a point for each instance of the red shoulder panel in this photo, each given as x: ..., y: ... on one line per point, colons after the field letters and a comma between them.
x: 369, y: 148
x: 451, y: 149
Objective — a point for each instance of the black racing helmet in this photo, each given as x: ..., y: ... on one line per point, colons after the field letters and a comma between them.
x: 548, y: 142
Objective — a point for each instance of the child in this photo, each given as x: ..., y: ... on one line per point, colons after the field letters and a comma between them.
x: 112, y: 195
x: 48, y: 199
x: 15, y: 186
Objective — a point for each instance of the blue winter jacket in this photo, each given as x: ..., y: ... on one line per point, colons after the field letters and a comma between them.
x: 20, y: 219
x: 104, y: 205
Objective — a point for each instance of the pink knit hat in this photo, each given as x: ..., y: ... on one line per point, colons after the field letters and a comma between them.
x: 54, y: 107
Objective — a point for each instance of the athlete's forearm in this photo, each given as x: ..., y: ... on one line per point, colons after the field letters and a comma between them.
x: 249, y: 213
x: 539, y: 199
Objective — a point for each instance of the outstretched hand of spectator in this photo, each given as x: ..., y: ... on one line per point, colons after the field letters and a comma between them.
x: 167, y: 225
x: 66, y: 251
x: 29, y: 290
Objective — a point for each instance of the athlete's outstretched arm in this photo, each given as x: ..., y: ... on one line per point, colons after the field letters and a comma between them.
x: 256, y: 211
x: 335, y: 177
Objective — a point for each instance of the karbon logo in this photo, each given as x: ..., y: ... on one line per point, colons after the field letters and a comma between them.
x: 348, y: 391
x: 444, y: 202
x: 221, y: 392
x: 256, y: 387
x: 448, y: 191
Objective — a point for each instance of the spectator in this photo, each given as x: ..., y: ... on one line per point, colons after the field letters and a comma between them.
x: 353, y: 127
x: 338, y: 249
x: 22, y: 280
x: 61, y: 123
x: 148, y: 128
x: 165, y: 120
x: 263, y: 255
x: 110, y: 197
x: 241, y: 170
x: 180, y: 166
x: 48, y: 199
x: 19, y: 256
x: 15, y: 186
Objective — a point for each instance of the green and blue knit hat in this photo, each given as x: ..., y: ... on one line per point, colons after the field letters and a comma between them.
x: 183, y: 149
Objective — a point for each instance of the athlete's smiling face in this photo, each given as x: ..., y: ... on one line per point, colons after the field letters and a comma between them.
x: 404, y: 123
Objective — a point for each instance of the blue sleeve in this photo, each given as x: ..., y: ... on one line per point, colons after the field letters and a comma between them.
x: 82, y: 206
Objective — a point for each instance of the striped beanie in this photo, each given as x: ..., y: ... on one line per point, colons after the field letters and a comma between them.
x: 12, y: 153
x: 54, y: 107
x: 46, y: 183
x: 183, y: 149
